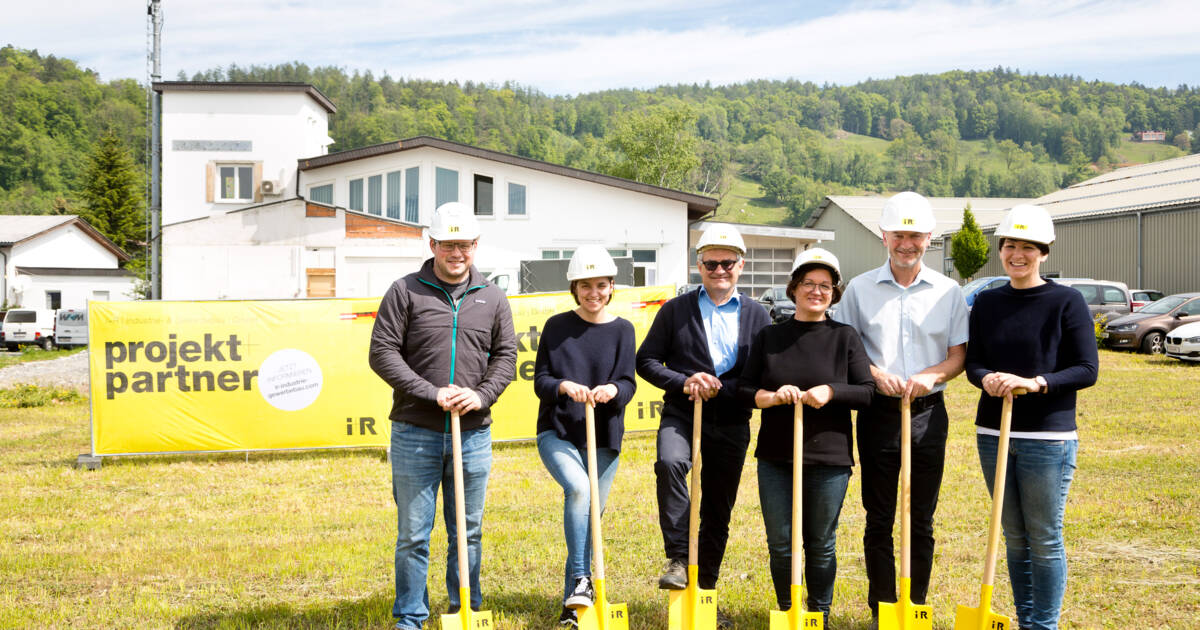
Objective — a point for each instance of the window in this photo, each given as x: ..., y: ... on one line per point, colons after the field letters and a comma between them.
x: 235, y: 183
x: 516, y: 199
x: 1113, y: 295
x: 356, y: 194
x: 54, y: 299
x: 645, y: 267
x: 393, y: 194
x: 375, y: 194
x: 555, y: 254
x: 446, y: 186
x: 321, y: 194
x: 483, y: 195
x: 412, y: 188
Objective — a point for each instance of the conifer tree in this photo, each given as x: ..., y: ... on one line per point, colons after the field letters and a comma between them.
x: 112, y: 195
x: 969, y: 248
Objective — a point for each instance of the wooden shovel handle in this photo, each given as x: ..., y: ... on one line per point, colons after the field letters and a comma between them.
x: 694, y: 489
x: 989, y: 563
x: 594, y: 491
x: 460, y: 509
x: 797, y: 494
x: 905, y: 487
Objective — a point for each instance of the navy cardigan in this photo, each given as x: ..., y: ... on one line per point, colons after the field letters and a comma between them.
x: 677, y: 347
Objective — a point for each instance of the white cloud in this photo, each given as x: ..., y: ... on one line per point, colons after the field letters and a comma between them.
x: 567, y: 47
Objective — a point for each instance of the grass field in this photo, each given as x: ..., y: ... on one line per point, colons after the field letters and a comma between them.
x: 304, y: 539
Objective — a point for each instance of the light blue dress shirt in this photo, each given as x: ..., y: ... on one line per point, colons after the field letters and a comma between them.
x: 905, y: 329
x: 721, y: 328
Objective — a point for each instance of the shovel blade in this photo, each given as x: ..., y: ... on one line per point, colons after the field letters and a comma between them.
x: 797, y: 620
x: 603, y: 616
x: 968, y: 618
x: 477, y: 620
x: 905, y: 616
x: 692, y: 609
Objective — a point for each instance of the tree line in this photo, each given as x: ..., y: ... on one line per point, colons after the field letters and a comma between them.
x: 1047, y: 131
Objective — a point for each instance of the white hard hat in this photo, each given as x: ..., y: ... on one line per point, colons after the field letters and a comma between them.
x: 591, y: 261
x: 907, y: 212
x: 454, y: 221
x: 723, y: 236
x: 819, y: 256
x: 1027, y: 223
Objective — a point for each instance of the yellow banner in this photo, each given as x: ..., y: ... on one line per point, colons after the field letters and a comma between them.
x: 282, y: 374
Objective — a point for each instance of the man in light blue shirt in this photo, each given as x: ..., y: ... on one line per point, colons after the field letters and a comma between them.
x: 913, y: 323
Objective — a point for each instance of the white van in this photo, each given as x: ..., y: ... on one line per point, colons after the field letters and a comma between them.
x: 24, y: 326
x: 70, y: 328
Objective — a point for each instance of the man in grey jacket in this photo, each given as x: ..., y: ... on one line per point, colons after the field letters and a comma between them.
x: 444, y: 341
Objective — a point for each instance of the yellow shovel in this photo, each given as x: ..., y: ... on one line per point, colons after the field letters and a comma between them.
x: 905, y: 615
x: 465, y: 618
x: 693, y: 608
x: 601, y: 615
x: 982, y: 618
x: 795, y: 618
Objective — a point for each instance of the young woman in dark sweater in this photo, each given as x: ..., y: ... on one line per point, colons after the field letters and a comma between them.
x: 586, y: 355
x: 820, y: 363
x: 1035, y: 335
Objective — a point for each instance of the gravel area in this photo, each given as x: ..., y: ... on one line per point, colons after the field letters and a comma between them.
x: 71, y: 371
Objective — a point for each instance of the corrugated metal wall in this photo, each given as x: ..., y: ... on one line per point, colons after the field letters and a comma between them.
x: 857, y: 248
x: 1106, y: 248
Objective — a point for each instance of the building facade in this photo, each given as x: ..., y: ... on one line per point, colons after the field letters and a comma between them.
x: 59, y: 261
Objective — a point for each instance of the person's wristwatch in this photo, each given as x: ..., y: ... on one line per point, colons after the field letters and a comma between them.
x: 1041, y: 381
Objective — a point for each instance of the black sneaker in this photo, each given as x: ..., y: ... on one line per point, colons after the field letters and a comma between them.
x: 568, y: 618
x: 582, y: 595
x: 724, y: 622
x: 675, y: 576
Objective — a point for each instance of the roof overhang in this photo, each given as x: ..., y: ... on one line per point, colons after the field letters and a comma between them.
x: 234, y: 86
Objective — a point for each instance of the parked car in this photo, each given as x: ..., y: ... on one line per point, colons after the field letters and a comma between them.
x: 1105, y: 298
x: 972, y: 288
x: 1142, y: 297
x: 71, y: 327
x: 776, y: 301
x: 1184, y: 342
x: 25, y: 326
x: 1145, y: 329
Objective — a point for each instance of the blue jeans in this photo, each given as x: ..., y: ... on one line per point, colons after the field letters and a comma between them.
x: 422, y: 460
x: 824, y: 492
x: 569, y: 468
x: 1035, y: 495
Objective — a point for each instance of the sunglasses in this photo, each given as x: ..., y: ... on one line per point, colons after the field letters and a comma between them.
x: 462, y: 246
x: 712, y: 265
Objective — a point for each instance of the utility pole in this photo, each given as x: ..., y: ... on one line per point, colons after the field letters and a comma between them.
x: 154, y: 9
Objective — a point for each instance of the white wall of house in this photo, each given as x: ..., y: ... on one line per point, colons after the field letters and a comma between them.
x: 279, y: 127
x: 70, y: 247
x: 560, y: 212
x: 264, y: 252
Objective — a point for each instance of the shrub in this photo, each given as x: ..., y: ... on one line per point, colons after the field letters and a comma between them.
x: 26, y: 395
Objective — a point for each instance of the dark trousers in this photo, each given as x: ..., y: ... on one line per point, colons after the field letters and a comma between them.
x: 879, y: 456
x: 722, y: 455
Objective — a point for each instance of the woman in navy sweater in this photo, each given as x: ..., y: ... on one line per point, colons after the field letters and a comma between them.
x: 1035, y: 335
x: 815, y: 361
x: 586, y: 355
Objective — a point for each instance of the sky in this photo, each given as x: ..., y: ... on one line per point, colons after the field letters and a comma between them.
x: 567, y: 47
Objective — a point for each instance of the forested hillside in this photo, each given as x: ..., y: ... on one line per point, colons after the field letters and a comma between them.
x: 993, y: 133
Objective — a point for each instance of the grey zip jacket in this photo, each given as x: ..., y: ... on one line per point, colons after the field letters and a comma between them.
x: 423, y: 340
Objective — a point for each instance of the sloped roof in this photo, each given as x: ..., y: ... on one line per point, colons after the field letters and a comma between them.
x: 17, y: 228
x: 947, y: 211
x: 697, y: 205
x: 1157, y: 184
x: 247, y: 86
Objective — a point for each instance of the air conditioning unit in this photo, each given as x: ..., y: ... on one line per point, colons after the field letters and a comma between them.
x: 272, y: 187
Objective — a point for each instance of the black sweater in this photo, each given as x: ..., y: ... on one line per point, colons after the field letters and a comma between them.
x: 807, y: 354
x: 1046, y: 331
x: 573, y: 349
x: 676, y: 347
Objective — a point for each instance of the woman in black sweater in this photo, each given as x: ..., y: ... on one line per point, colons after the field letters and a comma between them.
x: 585, y: 356
x: 1035, y: 335
x: 814, y: 361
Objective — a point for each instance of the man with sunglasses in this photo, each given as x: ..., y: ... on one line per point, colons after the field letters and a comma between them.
x: 444, y: 341
x: 695, y: 349
x: 913, y: 323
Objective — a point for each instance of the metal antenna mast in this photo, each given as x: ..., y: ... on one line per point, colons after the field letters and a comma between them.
x: 154, y: 10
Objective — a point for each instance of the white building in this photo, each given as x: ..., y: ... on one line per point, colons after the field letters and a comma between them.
x: 59, y: 261
x: 254, y: 207
x: 770, y: 252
